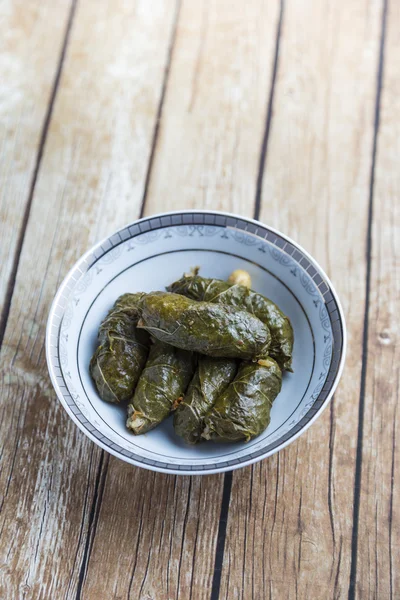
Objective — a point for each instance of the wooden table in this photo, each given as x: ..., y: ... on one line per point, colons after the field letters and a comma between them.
x: 285, y: 111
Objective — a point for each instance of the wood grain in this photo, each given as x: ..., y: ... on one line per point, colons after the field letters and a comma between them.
x: 290, y: 520
x: 91, y: 180
x: 215, y: 107
x: 156, y: 536
x: 378, y: 547
x: 186, y: 527
x: 174, y: 555
x: 30, y: 47
x: 111, y: 110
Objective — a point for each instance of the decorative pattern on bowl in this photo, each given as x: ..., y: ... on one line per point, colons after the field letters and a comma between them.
x: 153, y: 252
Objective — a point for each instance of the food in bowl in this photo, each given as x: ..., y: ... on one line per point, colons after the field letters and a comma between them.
x: 164, y: 380
x: 233, y: 293
x: 209, y: 351
x: 122, y: 351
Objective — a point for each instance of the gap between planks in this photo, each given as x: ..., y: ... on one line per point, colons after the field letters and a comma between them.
x: 364, y: 365
x: 227, y: 489
x: 42, y: 141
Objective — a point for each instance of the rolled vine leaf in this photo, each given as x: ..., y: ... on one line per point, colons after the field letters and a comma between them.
x: 161, y: 386
x: 122, y: 351
x: 242, y: 412
x: 242, y: 298
x: 204, y: 327
x: 212, y: 377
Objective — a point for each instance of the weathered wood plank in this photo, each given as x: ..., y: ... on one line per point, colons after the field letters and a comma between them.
x: 155, y: 537
x: 290, y: 520
x: 30, y: 46
x: 378, y: 544
x: 221, y: 69
x: 91, y: 180
x: 63, y: 514
x: 213, y: 119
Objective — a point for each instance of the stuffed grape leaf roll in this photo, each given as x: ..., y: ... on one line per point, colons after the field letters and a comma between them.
x: 212, y: 377
x: 163, y: 382
x: 239, y: 296
x: 129, y: 303
x: 122, y: 352
x: 204, y: 327
x: 242, y: 412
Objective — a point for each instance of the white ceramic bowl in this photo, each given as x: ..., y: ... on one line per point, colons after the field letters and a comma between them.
x: 149, y: 255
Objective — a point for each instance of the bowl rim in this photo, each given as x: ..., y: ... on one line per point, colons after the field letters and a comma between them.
x: 92, y: 251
